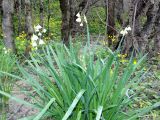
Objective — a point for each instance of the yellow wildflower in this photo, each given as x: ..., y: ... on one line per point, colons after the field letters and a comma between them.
x: 134, y: 61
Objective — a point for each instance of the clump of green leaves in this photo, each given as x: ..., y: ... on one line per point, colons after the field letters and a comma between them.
x: 71, y: 84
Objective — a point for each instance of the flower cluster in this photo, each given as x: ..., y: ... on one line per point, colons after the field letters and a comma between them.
x: 122, y: 58
x: 36, y: 38
x: 21, y: 42
x: 81, y: 19
x: 6, y: 51
x: 125, y: 31
x: 113, y: 38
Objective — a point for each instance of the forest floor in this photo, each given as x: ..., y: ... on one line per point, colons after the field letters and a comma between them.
x: 17, y: 110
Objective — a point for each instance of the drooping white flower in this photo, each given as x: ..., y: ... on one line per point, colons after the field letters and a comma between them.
x: 37, y: 28
x: 41, y: 42
x: 5, y: 50
x: 124, y: 32
x: 81, y: 19
x: 34, y: 37
x: 128, y: 28
x: 39, y: 34
x: 78, y: 15
x: 78, y: 20
x: 81, y: 24
x: 44, y: 30
x: 34, y: 43
x: 85, y: 19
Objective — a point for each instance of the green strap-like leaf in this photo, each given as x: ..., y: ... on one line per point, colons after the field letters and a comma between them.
x: 79, y: 115
x: 44, y: 109
x: 73, y: 105
x: 99, y: 112
x: 17, y: 99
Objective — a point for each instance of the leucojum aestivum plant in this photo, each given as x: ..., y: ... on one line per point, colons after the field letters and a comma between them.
x: 71, y: 85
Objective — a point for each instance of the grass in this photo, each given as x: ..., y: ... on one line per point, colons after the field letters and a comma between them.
x: 7, y: 64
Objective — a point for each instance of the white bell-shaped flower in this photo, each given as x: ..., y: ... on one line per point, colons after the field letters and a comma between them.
x: 81, y: 24
x: 78, y: 20
x: 5, y: 50
x: 124, y: 32
x: 39, y: 34
x: 41, y: 42
x: 37, y: 28
x: 34, y: 43
x: 34, y: 37
x: 44, y: 30
x: 128, y: 28
x: 78, y: 15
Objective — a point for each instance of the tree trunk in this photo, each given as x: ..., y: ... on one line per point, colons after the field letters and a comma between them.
x: 1, y: 6
x: 19, y: 14
x: 48, y: 17
x: 41, y: 13
x: 65, y: 30
x: 110, y: 19
x: 7, y: 24
x: 1, y: 11
x: 157, y: 29
x: 28, y: 24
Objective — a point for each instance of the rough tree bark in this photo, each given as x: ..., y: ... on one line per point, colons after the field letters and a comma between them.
x: 1, y: 11
x: 48, y: 17
x: 28, y: 18
x: 19, y: 16
x: 65, y: 30
x: 41, y: 13
x: 1, y: 6
x: 111, y: 19
x: 18, y: 7
x: 28, y: 24
x: 7, y: 24
x: 157, y: 31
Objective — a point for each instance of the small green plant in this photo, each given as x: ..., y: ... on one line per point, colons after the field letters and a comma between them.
x: 21, y: 43
x: 7, y: 64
